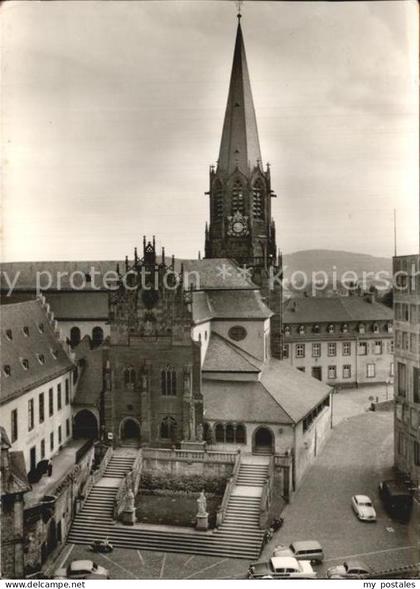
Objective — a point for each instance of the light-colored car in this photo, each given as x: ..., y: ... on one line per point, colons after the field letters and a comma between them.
x: 363, y: 508
x: 82, y: 569
x: 281, y: 567
x: 350, y: 569
x: 302, y: 550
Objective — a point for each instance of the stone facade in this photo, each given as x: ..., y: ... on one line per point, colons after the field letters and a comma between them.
x: 153, y: 393
x: 407, y: 365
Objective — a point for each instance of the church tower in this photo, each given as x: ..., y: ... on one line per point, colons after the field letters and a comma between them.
x: 241, y: 226
x: 240, y: 192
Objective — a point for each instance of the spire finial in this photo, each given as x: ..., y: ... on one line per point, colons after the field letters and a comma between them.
x: 238, y: 7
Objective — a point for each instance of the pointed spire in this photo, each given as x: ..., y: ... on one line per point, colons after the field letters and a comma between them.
x: 240, y: 145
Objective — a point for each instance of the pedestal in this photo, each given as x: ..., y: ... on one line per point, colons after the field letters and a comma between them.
x: 128, y: 517
x: 202, y: 522
x: 201, y: 446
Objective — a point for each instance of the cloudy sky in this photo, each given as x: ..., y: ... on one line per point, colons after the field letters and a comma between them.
x: 113, y: 111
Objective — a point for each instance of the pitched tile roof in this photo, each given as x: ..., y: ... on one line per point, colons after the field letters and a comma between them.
x: 78, y: 305
x: 241, y: 401
x: 298, y: 393
x: 340, y: 309
x: 71, y: 275
x: 283, y: 394
x: 46, y: 356
x: 222, y: 356
x: 231, y: 304
x: 217, y: 273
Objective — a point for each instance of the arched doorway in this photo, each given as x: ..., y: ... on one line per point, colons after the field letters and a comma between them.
x: 85, y: 425
x: 263, y: 441
x: 97, y: 336
x: 130, y: 432
x: 74, y: 336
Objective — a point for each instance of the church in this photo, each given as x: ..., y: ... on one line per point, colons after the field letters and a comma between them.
x: 189, y: 354
x: 192, y: 353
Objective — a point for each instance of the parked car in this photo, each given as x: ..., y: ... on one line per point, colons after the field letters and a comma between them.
x: 350, y: 569
x: 363, y: 508
x: 82, y: 569
x: 281, y: 567
x: 302, y: 550
x: 397, y: 499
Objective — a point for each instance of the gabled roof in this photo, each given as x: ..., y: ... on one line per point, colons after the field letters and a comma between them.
x: 222, y: 356
x: 216, y: 273
x: 39, y: 348
x: 297, y: 393
x: 282, y: 394
x: 14, y: 479
x: 334, y: 309
x: 241, y: 402
x: 240, y: 145
x: 247, y: 304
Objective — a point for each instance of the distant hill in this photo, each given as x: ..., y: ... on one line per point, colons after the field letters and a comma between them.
x: 335, y: 264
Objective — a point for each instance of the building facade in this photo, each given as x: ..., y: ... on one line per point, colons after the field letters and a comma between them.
x: 37, y: 382
x: 342, y: 340
x: 407, y: 365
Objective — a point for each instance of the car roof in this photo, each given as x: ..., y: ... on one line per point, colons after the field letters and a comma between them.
x: 353, y: 563
x: 306, y: 545
x: 81, y: 565
x: 363, y: 498
x: 279, y: 562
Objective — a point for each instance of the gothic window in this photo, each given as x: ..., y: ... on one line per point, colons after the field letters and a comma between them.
x: 237, y: 198
x: 207, y: 433
x: 168, y: 428
x: 130, y: 377
x: 220, y: 433
x: 74, y: 336
x: 168, y: 381
x: 97, y: 336
x: 217, y: 200
x: 230, y: 434
x: 258, y: 200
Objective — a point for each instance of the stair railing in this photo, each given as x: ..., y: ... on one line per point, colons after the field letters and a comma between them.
x: 221, y: 512
x: 267, y: 494
x: 98, y: 473
x: 130, y: 481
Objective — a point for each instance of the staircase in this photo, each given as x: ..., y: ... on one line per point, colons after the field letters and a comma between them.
x: 118, y: 466
x: 239, y: 536
x: 95, y: 520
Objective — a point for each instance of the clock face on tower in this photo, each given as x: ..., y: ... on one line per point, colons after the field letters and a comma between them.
x: 237, y: 225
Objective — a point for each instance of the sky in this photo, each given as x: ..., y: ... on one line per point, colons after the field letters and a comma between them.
x: 113, y: 112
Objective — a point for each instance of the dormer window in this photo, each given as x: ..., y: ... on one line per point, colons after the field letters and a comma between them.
x: 345, y: 328
x: 25, y: 363
x: 287, y: 330
x: 301, y: 330
x: 330, y: 328
x: 41, y: 358
x: 41, y: 328
x: 9, y: 334
x: 25, y: 331
x: 375, y: 328
x: 389, y: 327
x: 7, y: 370
x: 316, y: 328
x: 361, y: 328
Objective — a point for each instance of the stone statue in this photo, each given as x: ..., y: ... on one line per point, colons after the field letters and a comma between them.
x: 202, y: 504
x: 130, y: 500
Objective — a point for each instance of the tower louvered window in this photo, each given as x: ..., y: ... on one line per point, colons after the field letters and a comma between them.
x: 218, y: 201
x: 237, y: 198
x: 258, y: 200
